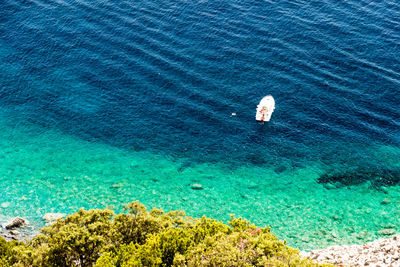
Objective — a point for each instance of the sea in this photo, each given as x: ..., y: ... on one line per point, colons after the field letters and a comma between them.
x: 107, y: 102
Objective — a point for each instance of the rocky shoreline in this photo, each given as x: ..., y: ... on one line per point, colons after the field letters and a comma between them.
x: 381, y: 252
x: 16, y: 229
x: 19, y: 228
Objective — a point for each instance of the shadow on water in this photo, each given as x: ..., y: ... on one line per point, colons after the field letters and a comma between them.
x: 376, y: 176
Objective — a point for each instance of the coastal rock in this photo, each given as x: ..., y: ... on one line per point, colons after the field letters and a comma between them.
x: 22, y: 235
x: 305, y: 254
x: 381, y: 252
x: 388, y: 231
x: 51, y: 217
x: 16, y: 223
x: 14, y: 232
x: 196, y: 186
x: 9, y: 237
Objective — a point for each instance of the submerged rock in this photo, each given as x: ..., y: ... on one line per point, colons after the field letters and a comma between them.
x: 386, y: 201
x: 252, y: 186
x: 387, y: 225
x: 330, y: 186
x: 116, y: 185
x: 16, y: 223
x: 335, y: 217
x: 5, y: 205
x: 51, y: 217
x: 196, y: 186
x: 280, y: 169
x: 362, y: 234
x: 388, y: 231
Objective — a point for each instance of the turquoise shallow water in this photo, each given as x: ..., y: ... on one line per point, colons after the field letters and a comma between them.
x: 43, y: 170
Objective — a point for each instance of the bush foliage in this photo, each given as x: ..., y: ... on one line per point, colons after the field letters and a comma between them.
x: 149, y: 238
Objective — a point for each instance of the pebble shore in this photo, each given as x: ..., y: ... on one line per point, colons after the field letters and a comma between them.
x: 381, y: 252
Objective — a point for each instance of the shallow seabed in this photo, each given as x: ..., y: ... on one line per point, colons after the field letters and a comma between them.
x: 44, y: 170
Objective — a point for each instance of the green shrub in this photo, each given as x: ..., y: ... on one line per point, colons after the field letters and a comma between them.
x: 14, y: 253
x: 141, y: 238
x: 208, y: 227
x: 76, y: 241
x: 5, y: 252
x: 4, y: 248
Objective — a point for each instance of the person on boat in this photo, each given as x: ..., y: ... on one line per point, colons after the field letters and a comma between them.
x: 264, y: 112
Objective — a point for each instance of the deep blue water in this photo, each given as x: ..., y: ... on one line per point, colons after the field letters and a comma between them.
x: 165, y: 76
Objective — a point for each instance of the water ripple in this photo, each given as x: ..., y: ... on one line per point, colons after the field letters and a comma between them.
x: 118, y: 67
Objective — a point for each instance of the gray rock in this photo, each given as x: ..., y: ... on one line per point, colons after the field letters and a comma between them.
x: 8, y: 236
x: 16, y: 223
x: 381, y: 252
x: 14, y: 232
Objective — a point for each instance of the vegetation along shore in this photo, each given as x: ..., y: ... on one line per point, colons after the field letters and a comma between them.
x: 139, y: 237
